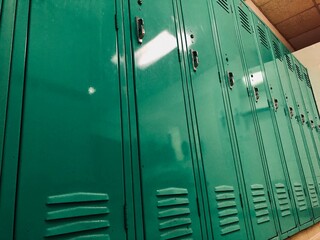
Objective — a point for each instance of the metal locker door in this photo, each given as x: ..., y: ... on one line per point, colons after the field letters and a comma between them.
x: 268, y: 131
x: 243, y: 123
x: 224, y: 194
x: 285, y: 68
x: 278, y: 104
x: 71, y: 166
x: 299, y: 88
x: 7, y: 17
x: 169, y: 193
x: 314, y: 121
x: 302, y: 119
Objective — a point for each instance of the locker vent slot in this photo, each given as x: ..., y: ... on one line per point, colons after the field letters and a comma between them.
x: 298, y: 72
x: 260, y: 203
x: 313, y: 195
x: 283, y: 199
x: 244, y: 19
x: 301, y: 199
x: 78, y: 213
x: 227, y: 209
x: 289, y: 63
x: 277, y: 51
x: 174, y: 213
x: 263, y: 38
x: 224, y: 4
x: 306, y: 77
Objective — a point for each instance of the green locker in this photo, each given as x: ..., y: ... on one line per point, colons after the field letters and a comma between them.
x: 264, y: 113
x: 309, y: 141
x: 167, y: 160
x: 243, y: 123
x: 223, y: 190
x: 313, y: 109
x: 7, y: 16
x: 285, y: 136
x: 287, y: 69
x: 299, y: 88
x: 70, y: 182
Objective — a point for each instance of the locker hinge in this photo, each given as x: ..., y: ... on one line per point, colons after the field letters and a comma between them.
x: 289, y: 194
x: 125, y: 214
x: 248, y: 92
x: 198, y: 207
x: 179, y: 55
x: 241, y: 203
x: 269, y: 196
x: 219, y: 77
x: 116, y: 22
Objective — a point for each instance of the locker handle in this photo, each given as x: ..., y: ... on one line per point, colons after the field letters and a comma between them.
x: 141, y: 32
x: 276, y: 104
x: 231, y: 80
x: 195, y: 59
x: 291, y: 112
x: 302, y: 119
x: 311, y: 124
x: 256, y: 93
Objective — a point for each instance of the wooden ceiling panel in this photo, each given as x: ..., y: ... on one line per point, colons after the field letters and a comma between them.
x: 306, y: 39
x: 300, y: 23
x: 277, y: 11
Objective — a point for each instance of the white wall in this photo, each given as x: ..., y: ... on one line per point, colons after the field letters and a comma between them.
x: 310, y: 58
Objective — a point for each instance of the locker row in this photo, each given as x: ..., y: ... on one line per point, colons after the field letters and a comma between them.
x: 152, y: 120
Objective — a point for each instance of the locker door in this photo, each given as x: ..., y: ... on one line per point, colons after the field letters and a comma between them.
x: 302, y: 119
x: 300, y: 85
x: 166, y: 160
x: 314, y: 122
x: 257, y: 78
x: 223, y: 189
x: 7, y: 16
x: 292, y: 112
x: 243, y: 123
x: 278, y: 105
x: 70, y: 172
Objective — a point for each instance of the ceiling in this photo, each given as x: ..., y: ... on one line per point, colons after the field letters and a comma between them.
x: 297, y: 20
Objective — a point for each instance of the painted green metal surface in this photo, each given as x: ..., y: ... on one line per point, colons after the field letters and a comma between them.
x: 295, y: 78
x: 312, y: 109
x: 308, y: 110
x: 226, y: 212
x: 243, y: 123
x: 7, y: 17
x: 285, y: 72
x: 264, y: 113
x: 169, y: 191
x: 271, y: 57
x: 71, y: 138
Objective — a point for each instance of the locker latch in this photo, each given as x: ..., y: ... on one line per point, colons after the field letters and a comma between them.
x: 231, y: 80
x: 311, y: 124
x: 291, y: 112
x: 256, y: 93
x: 195, y: 59
x: 275, y: 104
x: 140, y: 29
x: 302, y: 119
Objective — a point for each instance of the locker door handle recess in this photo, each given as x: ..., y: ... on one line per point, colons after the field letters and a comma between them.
x: 311, y: 124
x: 195, y: 59
x: 231, y: 80
x: 291, y: 112
x: 276, y: 104
x: 302, y: 119
x: 141, y: 32
x: 256, y: 94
